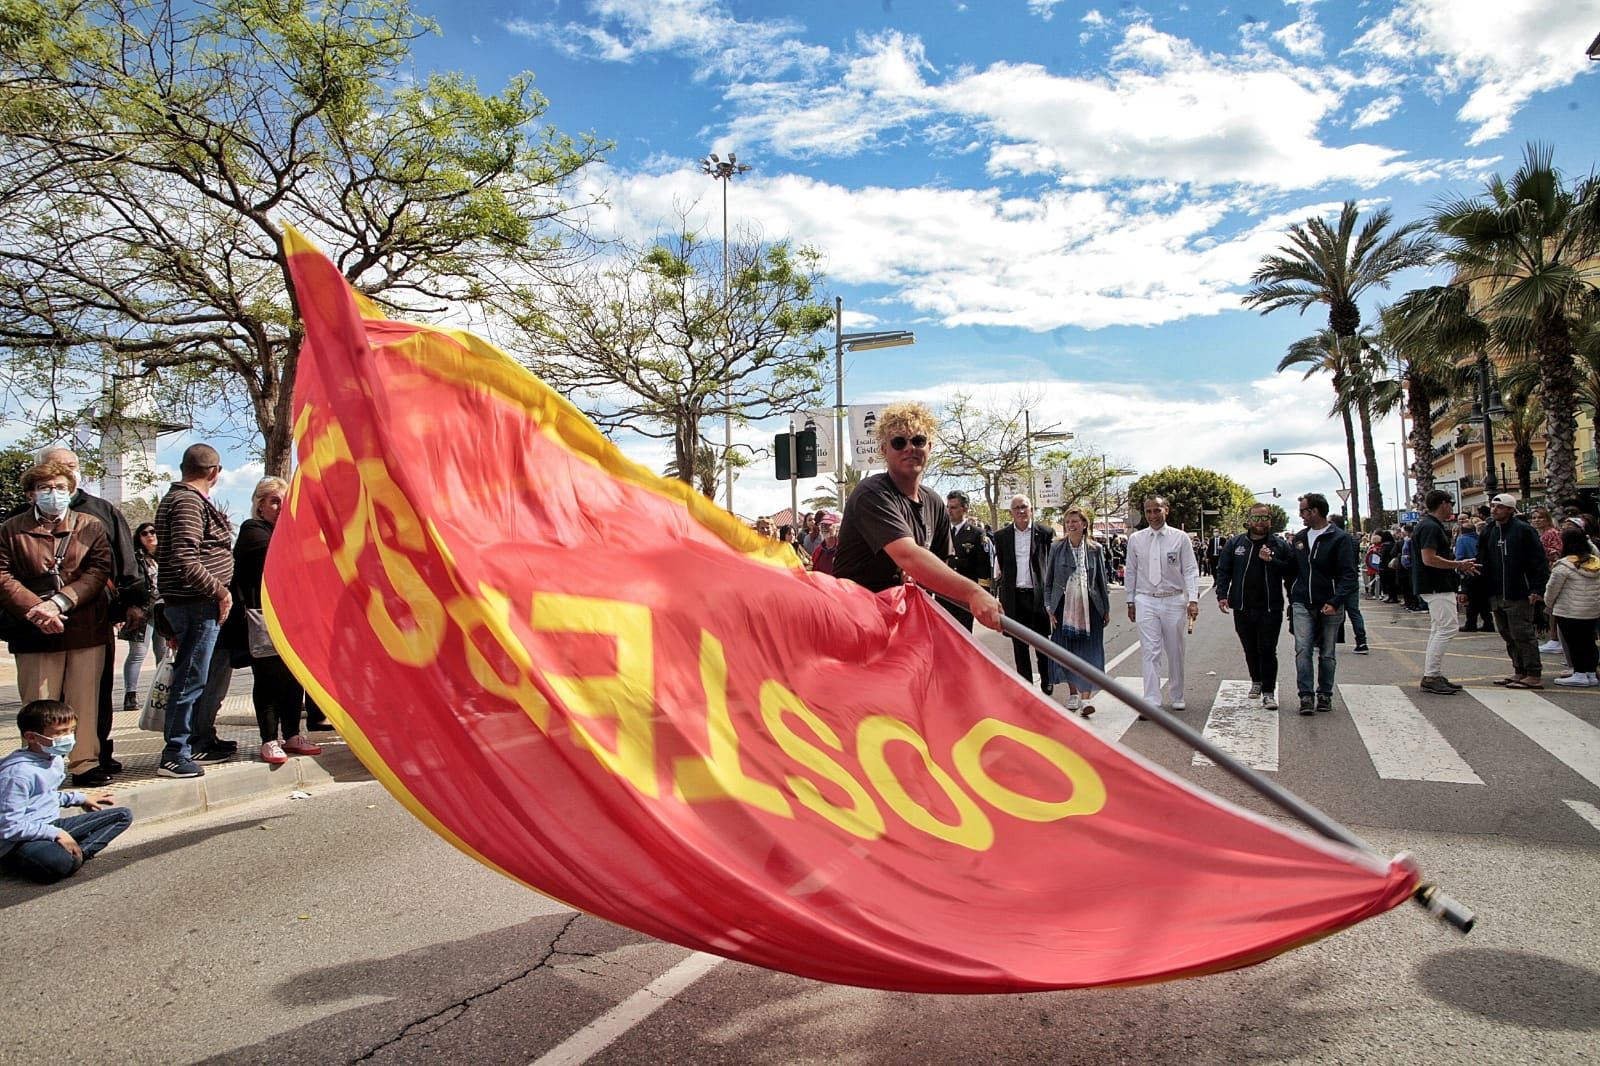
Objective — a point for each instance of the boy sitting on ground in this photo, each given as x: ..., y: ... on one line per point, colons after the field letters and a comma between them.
x: 35, y: 841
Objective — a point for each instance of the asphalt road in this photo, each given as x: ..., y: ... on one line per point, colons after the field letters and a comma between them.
x: 336, y: 929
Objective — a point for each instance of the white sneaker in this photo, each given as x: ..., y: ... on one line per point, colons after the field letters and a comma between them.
x: 1178, y: 704
x: 272, y: 752
x: 1074, y: 701
x: 1550, y: 647
x: 1578, y: 681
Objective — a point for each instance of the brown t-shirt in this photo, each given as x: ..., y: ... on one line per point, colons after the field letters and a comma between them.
x: 877, y: 514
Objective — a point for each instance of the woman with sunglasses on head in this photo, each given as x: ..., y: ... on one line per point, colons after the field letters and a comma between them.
x: 140, y: 637
x: 277, y: 695
x: 895, y: 528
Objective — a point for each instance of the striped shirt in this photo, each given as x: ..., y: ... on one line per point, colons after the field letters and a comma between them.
x: 194, y: 547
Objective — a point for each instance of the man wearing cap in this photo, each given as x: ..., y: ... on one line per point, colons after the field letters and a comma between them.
x: 1514, y: 571
x: 896, y: 528
x: 971, y: 552
x: 822, y: 558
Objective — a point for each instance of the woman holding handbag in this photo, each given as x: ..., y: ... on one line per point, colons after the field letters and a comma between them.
x: 277, y: 695
x: 54, y: 567
x: 1078, y: 602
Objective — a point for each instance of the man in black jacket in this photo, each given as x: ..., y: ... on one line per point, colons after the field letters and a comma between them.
x: 1020, y: 553
x: 1325, y: 576
x: 1251, y: 570
x: 1514, y: 571
x: 971, y: 553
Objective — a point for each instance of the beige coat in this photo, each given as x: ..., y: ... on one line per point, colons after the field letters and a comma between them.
x: 1574, y: 590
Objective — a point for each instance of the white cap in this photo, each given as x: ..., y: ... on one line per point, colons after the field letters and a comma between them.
x: 1505, y: 499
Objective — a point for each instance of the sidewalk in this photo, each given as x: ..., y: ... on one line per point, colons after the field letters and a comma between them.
x: 244, y: 777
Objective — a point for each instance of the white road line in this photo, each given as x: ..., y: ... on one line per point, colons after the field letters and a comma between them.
x: 605, y: 1030
x: 1404, y: 745
x: 1241, y: 727
x: 1570, y: 739
x: 1587, y: 811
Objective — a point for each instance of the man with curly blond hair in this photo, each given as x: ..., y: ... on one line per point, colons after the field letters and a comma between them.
x: 896, y: 529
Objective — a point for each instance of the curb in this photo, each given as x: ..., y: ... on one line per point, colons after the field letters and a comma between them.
x: 225, y: 784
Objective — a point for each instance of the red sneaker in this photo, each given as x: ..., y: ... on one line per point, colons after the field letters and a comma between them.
x: 299, y: 745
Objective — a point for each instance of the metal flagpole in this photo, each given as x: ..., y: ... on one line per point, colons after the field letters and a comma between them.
x: 1426, y: 895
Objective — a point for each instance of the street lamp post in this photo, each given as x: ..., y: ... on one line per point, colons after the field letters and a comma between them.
x: 1489, y: 406
x: 725, y: 170
x: 1270, y: 457
x: 855, y: 342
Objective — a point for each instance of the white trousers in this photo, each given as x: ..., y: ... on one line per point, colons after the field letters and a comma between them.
x: 1161, y: 621
x: 1442, y: 620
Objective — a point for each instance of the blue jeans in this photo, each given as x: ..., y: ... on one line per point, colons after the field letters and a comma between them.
x: 46, y: 861
x: 197, y: 626
x: 1314, y: 630
x: 1352, y: 607
x: 137, y: 650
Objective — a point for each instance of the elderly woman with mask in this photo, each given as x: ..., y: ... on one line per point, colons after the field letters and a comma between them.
x: 54, y: 567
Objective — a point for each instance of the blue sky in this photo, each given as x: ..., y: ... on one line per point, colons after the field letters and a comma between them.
x: 1057, y: 197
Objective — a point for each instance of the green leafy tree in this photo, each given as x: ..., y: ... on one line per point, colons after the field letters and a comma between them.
x: 1334, y: 265
x: 653, y: 345
x: 1349, y: 364
x: 14, y: 462
x: 1189, y: 491
x: 1280, y: 518
x: 152, y: 154
x: 1434, y: 342
x: 1526, y: 249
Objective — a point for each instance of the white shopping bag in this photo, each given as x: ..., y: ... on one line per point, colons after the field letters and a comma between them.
x: 154, y: 717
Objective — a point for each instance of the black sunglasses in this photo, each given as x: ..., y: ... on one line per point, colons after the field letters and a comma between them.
x: 899, y: 443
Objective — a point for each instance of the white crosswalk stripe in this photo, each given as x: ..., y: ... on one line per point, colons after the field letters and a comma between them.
x: 1571, y: 740
x: 1241, y: 727
x: 1404, y: 745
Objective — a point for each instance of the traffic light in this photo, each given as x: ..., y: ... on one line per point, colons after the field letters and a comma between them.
x: 1266, y: 456
x: 805, y: 444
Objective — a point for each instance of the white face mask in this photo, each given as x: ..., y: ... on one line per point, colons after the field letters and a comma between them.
x: 52, y: 501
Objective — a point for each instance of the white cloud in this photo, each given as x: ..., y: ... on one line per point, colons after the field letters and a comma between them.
x: 623, y: 30
x: 1066, y: 257
x: 1220, y: 428
x: 1165, y: 111
x: 1045, y: 9
x: 1377, y: 111
x: 1302, y: 37
x: 1505, y: 50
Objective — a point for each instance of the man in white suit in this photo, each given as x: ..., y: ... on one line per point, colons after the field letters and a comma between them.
x: 1163, y: 582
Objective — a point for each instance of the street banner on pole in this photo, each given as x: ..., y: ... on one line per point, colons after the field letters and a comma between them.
x: 822, y: 421
x: 859, y: 795
x: 864, y: 454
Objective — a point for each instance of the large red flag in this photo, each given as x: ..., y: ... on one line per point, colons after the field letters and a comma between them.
x: 598, y: 683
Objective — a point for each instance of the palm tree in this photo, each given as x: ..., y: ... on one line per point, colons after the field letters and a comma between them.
x: 829, y: 497
x: 1325, y: 352
x: 1334, y: 265
x: 1436, y: 342
x: 1527, y: 248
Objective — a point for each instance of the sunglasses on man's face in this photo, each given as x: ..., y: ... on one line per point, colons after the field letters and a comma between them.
x: 899, y: 443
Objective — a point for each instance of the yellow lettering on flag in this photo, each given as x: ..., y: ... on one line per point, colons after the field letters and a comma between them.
x: 973, y: 830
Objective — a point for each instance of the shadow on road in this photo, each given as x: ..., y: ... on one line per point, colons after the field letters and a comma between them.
x: 1515, y: 986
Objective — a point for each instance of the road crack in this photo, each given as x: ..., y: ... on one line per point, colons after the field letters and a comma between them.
x: 446, y: 1015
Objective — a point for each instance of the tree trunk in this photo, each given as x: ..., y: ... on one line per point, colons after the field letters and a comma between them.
x: 1522, y: 455
x: 1374, y: 480
x: 1350, y: 458
x: 1558, y: 394
x: 1420, y: 405
x: 685, y: 442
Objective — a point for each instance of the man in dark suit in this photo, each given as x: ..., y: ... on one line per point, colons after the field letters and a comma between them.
x: 971, y: 553
x: 1021, y: 551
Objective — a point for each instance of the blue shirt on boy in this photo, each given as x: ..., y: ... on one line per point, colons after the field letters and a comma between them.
x: 30, y: 797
